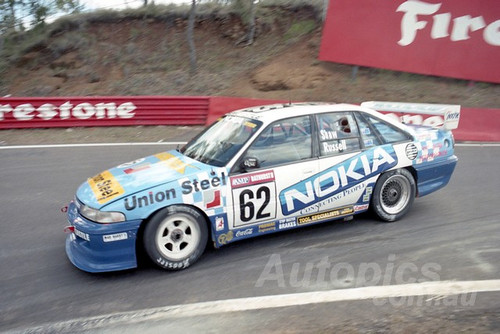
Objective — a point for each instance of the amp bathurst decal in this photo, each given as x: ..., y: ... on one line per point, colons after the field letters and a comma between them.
x: 337, y: 179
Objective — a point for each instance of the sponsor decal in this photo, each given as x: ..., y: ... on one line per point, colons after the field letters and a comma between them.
x: 82, y: 235
x: 135, y: 169
x: 85, y: 110
x: 212, y: 200
x: 242, y: 233
x: 452, y: 116
x: 309, y: 219
x: 368, y: 192
x: 252, y: 179
x: 115, y: 237
x: 225, y: 238
x: 174, y: 162
x: 411, y: 151
x: 267, y: 227
x: 196, y: 185
x: 287, y: 223
x: 360, y: 207
x: 105, y: 187
x: 337, y: 179
x: 431, y: 121
x: 131, y: 203
x: 317, y: 207
x: 131, y: 163
x: 250, y: 124
x: 219, y: 224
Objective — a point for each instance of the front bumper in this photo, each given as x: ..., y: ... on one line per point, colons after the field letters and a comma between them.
x: 97, y: 247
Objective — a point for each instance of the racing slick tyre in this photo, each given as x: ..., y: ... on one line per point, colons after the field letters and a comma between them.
x: 175, y: 237
x: 393, y: 194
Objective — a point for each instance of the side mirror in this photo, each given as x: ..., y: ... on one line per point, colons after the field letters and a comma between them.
x: 249, y: 163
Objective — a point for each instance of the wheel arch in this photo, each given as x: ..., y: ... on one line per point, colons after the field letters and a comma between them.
x: 413, y: 172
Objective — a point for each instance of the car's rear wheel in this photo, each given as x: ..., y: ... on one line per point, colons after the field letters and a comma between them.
x: 393, y: 194
x: 175, y: 237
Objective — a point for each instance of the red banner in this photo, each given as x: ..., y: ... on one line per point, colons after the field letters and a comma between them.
x: 45, y: 112
x: 452, y: 38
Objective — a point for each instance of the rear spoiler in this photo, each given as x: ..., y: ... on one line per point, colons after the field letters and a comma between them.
x: 450, y: 113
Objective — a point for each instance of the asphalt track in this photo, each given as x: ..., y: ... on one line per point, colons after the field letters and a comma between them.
x: 450, y: 236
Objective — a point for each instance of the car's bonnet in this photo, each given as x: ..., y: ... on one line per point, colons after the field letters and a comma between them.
x: 129, y: 178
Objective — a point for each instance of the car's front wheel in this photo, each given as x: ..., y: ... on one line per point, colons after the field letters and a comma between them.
x: 175, y: 237
x: 393, y: 194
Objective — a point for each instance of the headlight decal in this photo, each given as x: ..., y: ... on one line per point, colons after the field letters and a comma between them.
x: 103, y: 217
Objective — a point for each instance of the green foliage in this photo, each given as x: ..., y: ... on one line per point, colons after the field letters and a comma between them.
x: 300, y: 29
x: 67, y: 42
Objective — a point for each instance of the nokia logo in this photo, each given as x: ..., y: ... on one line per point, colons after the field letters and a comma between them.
x: 337, y: 179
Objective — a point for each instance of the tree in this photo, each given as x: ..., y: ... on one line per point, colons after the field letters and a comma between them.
x: 8, y: 15
x: 41, y: 9
x: 251, y: 22
x: 14, y: 13
x: 190, y: 28
x: 247, y: 11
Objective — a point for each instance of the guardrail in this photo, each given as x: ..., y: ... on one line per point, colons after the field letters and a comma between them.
x: 39, y: 112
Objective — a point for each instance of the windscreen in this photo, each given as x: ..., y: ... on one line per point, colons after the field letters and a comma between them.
x: 221, y: 141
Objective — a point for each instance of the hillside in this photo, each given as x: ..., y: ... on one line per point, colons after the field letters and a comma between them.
x: 145, y: 53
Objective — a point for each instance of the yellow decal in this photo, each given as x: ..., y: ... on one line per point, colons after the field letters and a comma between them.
x: 250, y: 125
x: 173, y: 162
x: 105, y: 187
x: 267, y: 227
x: 325, y: 215
x: 225, y: 238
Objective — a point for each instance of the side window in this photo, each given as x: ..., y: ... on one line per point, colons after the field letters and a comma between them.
x: 367, y: 132
x: 389, y: 133
x: 283, y: 142
x: 338, y: 133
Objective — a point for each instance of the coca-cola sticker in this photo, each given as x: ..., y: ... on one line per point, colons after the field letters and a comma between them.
x: 411, y: 151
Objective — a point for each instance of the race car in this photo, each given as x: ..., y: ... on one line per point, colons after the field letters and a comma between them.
x: 257, y: 171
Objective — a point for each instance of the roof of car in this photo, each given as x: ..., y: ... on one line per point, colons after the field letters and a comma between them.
x: 274, y: 112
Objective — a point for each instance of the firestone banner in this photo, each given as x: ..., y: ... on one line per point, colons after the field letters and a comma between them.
x: 452, y: 38
x: 47, y: 112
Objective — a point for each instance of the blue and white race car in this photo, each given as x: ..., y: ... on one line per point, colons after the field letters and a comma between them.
x: 257, y: 171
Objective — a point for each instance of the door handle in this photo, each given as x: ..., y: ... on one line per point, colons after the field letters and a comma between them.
x: 307, y: 171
